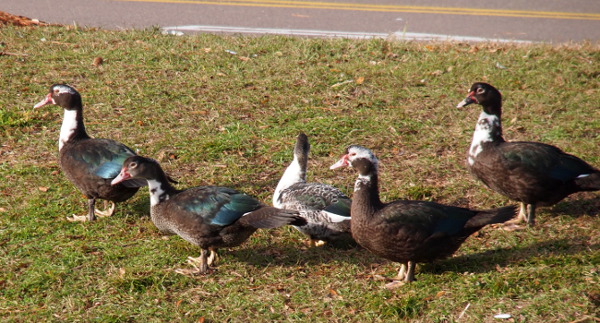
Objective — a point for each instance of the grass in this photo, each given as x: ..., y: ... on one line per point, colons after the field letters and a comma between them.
x: 212, y: 117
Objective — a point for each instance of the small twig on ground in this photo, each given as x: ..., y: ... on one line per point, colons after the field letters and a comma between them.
x: 464, y: 311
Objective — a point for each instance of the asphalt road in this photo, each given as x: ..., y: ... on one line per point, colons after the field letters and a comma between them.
x: 553, y: 21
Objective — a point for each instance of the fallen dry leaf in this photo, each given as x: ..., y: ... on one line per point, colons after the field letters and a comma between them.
x: 98, y: 61
x: 437, y: 73
x: 43, y: 188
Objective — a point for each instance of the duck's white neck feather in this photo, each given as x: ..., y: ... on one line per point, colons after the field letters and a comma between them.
x: 68, y: 128
x: 487, y: 129
x: 157, y: 193
x: 293, y: 174
x: 361, y: 180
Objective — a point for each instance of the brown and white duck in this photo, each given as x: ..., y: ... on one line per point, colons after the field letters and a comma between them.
x: 210, y: 217
x: 408, y: 231
x: 532, y: 173
x: 89, y: 163
x: 325, y: 208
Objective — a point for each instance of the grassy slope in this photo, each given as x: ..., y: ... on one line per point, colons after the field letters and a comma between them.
x: 212, y: 117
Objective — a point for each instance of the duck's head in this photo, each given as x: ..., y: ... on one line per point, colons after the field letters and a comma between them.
x: 359, y: 158
x: 137, y: 167
x: 63, y: 95
x: 485, y: 95
x: 302, y: 148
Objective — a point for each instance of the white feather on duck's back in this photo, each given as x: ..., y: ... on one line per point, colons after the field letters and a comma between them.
x: 483, y: 133
x: 68, y: 127
x: 335, y: 218
x: 293, y: 174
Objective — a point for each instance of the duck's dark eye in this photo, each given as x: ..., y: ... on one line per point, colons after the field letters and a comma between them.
x: 132, y: 165
x: 480, y: 90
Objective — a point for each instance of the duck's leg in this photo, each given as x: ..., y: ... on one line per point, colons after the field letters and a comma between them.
x: 108, y: 211
x: 514, y: 223
x: 88, y: 217
x: 401, y: 273
x: 213, y: 257
x: 410, y: 273
x: 522, y: 217
x: 406, y: 274
x: 531, y: 214
x: 518, y: 222
x: 200, y: 263
x: 315, y: 243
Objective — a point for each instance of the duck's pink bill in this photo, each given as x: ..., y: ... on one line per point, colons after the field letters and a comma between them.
x: 45, y: 101
x: 462, y: 103
x: 123, y: 176
x: 340, y: 163
x: 468, y: 100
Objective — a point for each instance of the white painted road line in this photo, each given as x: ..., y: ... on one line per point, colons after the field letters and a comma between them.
x: 399, y: 35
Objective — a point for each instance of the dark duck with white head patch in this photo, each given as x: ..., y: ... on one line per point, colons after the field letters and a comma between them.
x: 325, y: 208
x: 89, y: 163
x: 532, y: 173
x: 210, y: 217
x: 407, y: 231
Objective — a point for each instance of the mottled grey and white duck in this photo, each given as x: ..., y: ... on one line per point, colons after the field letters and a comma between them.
x: 89, y: 163
x: 408, y: 231
x: 210, y: 217
x: 532, y: 173
x: 325, y: 208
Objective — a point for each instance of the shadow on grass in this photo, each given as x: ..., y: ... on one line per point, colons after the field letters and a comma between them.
x: 577, y: 206
x: 293, y: 255
x: 138, y: 205
x: 487, y: 261
x: 141, y: 205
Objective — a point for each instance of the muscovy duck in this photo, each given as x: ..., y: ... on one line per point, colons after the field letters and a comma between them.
x: 89, y: 163
x: 325, y: 208
x: 532, y: 173
x: 408, y: 231
x: 210, y: 217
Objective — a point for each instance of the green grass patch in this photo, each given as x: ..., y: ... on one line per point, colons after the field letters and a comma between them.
x: 212, y: 117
